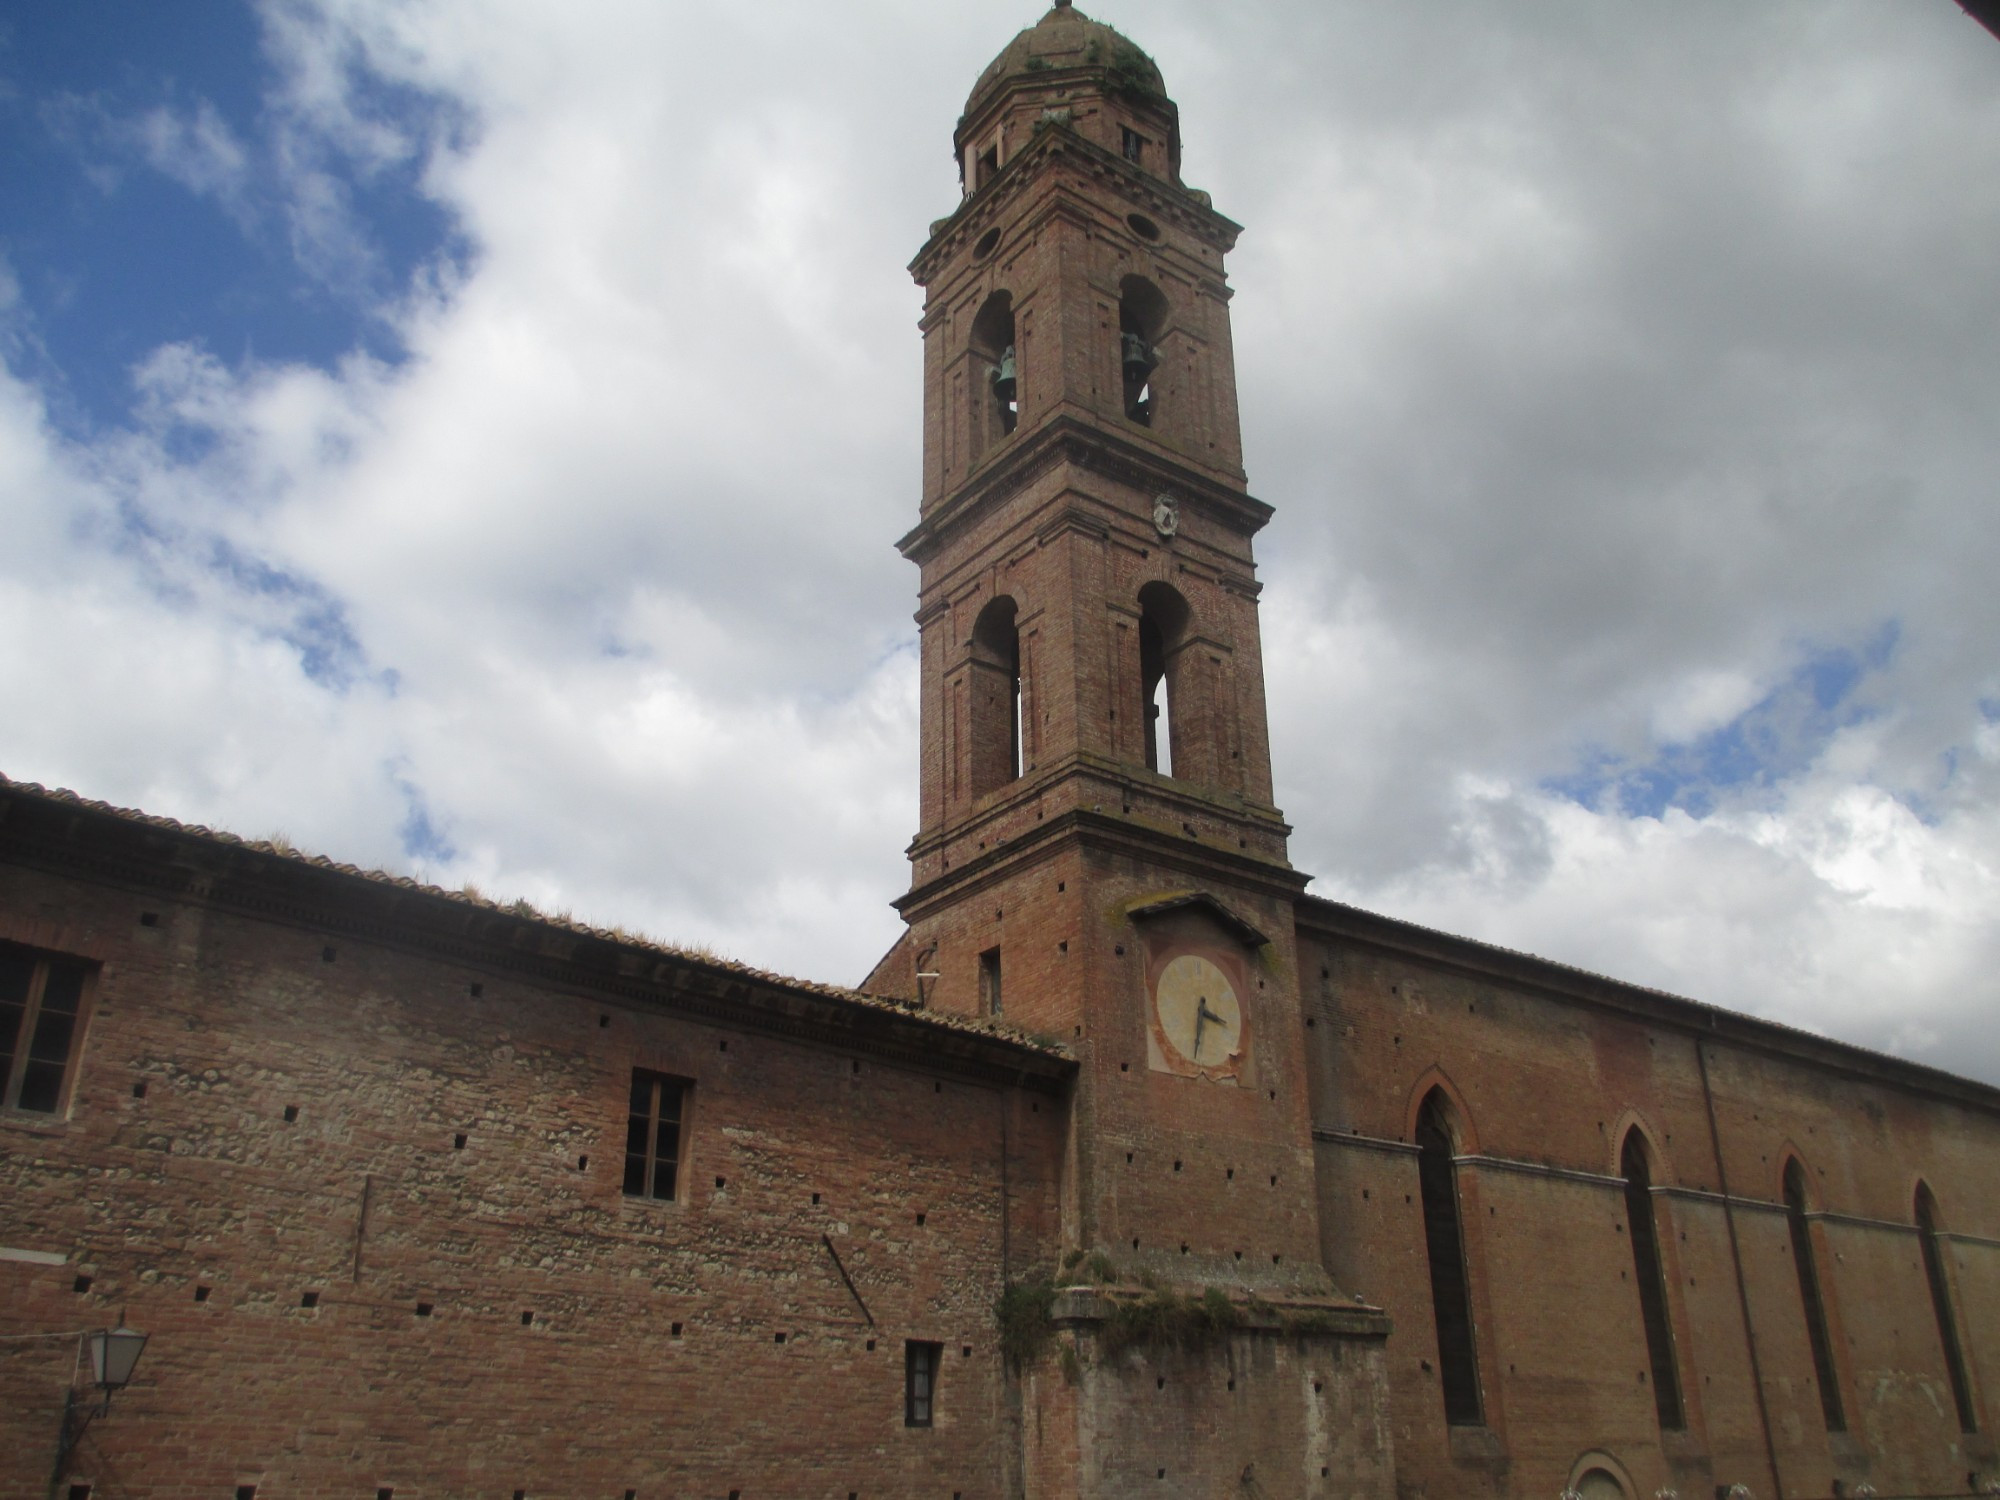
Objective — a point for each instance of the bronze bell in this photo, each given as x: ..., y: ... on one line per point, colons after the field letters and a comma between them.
x: 1140, y: 358
x: 1002, y: 376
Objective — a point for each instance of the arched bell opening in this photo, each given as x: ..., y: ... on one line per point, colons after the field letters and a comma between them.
x: 1636, y: 1167
x: 1163, y: 628
x: 996, y: 372
x: 1444, y: 1248
x: 1142, y: 319
x: 1941, y: 1308
x: 996, y: 697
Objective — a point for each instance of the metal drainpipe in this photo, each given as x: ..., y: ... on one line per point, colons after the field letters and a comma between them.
x: 1006, y: 1195
x: 1736, y: 1258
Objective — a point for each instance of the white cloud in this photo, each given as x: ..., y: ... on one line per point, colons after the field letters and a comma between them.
x: 198, y: 150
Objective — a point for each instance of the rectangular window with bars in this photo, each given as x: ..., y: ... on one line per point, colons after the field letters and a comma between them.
x: 653, y: 1135
x: 920, y: 1372
x: 41, y: 1008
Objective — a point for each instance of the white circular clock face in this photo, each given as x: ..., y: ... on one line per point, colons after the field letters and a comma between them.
x: 1199, y: 1015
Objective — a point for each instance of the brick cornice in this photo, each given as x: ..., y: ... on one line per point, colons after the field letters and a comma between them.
x: 1179, y: 205
x: 1125, y: 835
x: 1089, y: 445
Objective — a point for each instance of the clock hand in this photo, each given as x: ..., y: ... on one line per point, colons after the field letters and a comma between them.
x: 1202, y: 1016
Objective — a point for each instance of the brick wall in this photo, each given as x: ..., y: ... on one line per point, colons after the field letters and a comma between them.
x: 578, y: 1342
x: 1548, y: 1077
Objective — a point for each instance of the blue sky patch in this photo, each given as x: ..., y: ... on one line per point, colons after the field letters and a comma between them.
x: 422, y: 838
x: 153, y: 190
x: 1775, y: 738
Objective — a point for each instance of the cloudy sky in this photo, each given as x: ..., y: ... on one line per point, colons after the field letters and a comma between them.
x: 468, y: 438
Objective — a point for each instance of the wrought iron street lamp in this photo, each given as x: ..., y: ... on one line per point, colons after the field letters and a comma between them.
x: 114, y: 1354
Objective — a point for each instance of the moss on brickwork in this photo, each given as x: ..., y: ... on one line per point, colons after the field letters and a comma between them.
x: 1022, y: 1313
x: 1170, y: 1320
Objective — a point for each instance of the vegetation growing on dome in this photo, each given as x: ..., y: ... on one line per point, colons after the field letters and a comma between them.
x: 1128, y: 71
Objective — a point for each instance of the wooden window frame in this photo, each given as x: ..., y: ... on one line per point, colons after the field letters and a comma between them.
x: 922, y: 1363
x: 654, y: 1152
x: 41, y: 964
x: 992, y: 1001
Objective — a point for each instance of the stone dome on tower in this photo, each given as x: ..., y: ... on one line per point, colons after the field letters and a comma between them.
x: 1067, y: 38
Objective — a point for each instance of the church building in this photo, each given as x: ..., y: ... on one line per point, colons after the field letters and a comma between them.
x: 1132, y: 1170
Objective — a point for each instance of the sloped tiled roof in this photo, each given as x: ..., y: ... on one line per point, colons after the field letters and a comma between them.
x: 992, y: 1028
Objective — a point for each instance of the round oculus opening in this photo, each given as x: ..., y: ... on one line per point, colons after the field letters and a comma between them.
x: 987, y: 242
x: 1142, y: 226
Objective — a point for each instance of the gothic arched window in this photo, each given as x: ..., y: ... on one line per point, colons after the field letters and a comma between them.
x: 1142, y: 318
x: 1163, y: 622
x: 1451, y: 1301
x: 1806, y: 1267
x: 995, y: 373
x: 1634, y: 1166
x: 995, y: 717
x: 1947, y: 1321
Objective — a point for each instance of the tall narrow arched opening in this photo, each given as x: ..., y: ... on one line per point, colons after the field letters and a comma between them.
x: 1163, y: 628
x: 1806, y: 1267
x: 1947, y: 1320
x: 996, y: 372
x: 1142, y: 318
x: 1444, y: 1244
x: 1636, y: 1168
x: 995, y: 718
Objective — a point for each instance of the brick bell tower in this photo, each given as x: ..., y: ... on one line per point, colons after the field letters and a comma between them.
x: 1099, y: 857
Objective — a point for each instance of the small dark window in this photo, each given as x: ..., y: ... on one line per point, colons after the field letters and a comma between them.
x: 988, y: 243
x: 1134, y: 145
x: 41, y: 1003
x: 989, y: 982
x: 1807, y: 1270
x: 920, y: 1370
x: 1142, y: 226
x: 989, y: 166
x: 653, y: 1135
